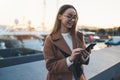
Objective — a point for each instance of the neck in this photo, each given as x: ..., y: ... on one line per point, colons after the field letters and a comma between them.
x: 64, y: 30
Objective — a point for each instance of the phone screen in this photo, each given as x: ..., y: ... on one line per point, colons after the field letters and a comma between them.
x: 90, y: 46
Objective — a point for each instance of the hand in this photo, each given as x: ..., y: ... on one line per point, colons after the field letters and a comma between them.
x: 74, y: 54
x: 82, y: 58
x: 85, y: 53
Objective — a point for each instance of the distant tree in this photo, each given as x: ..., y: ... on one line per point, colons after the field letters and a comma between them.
x: 109, y: 32
x: 86, y: 29
x: 93, y: 30
x: 101, y: 31
x: 118, y: 30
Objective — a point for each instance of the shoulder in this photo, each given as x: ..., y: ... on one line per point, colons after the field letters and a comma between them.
x: 48, y: 43
x: 48, y: 39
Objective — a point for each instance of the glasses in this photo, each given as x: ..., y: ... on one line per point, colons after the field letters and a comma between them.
x: 70, y: 17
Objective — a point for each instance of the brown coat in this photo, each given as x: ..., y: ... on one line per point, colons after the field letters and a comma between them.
x: 55, y: 61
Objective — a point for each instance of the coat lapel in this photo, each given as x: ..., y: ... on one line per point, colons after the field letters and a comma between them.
x: 59, y: 41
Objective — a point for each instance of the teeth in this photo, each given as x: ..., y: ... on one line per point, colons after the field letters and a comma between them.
x: 69, y: 22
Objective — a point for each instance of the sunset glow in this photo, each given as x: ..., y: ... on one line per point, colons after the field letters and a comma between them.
x: 99, y: 13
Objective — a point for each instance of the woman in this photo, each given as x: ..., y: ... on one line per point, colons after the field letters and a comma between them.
x: 64, y: 51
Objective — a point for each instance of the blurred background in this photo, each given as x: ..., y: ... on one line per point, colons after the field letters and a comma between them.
x: 98, y: 20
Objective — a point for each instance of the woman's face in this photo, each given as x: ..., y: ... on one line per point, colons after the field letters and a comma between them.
x: 68, y: 19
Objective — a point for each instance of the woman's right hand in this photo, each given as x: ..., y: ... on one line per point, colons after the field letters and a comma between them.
x: 74, y: 54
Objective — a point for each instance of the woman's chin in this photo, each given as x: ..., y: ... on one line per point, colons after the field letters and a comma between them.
x: 69, y: 26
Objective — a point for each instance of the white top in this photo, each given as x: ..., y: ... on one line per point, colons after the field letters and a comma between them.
x: 68, y: 39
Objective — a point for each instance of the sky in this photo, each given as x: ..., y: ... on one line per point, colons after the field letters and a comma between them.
x: 100, y: 13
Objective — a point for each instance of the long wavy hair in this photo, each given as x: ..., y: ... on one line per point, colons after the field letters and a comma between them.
x: 57, y: 25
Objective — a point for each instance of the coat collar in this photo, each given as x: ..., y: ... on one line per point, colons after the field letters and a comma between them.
x: 59, y: 41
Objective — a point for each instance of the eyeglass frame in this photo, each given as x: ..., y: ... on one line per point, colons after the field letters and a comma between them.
x: 70, y: 17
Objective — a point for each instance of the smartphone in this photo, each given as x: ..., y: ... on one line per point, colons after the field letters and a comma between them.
x: 90, y: 46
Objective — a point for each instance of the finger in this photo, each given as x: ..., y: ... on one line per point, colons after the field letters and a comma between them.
x: 84, y: 53
x: 77, y: 50
x: 87, y: 52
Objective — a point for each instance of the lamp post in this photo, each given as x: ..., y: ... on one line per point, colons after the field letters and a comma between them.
x: 43, y: 17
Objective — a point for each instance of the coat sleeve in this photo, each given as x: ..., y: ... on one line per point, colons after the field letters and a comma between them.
x: 53, y: 64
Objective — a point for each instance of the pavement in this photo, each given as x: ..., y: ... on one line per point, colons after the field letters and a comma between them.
x: 100, y: 61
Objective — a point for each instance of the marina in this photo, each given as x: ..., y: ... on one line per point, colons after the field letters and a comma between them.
x: 102, y: 62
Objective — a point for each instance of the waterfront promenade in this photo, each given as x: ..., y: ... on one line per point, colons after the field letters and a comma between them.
x: 100, y: 61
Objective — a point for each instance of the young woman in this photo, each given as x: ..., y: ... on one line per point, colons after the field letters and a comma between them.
x: 64, y: 48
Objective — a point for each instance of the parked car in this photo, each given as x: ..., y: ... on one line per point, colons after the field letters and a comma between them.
x: 10, y: 43
x: 113, y: 41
